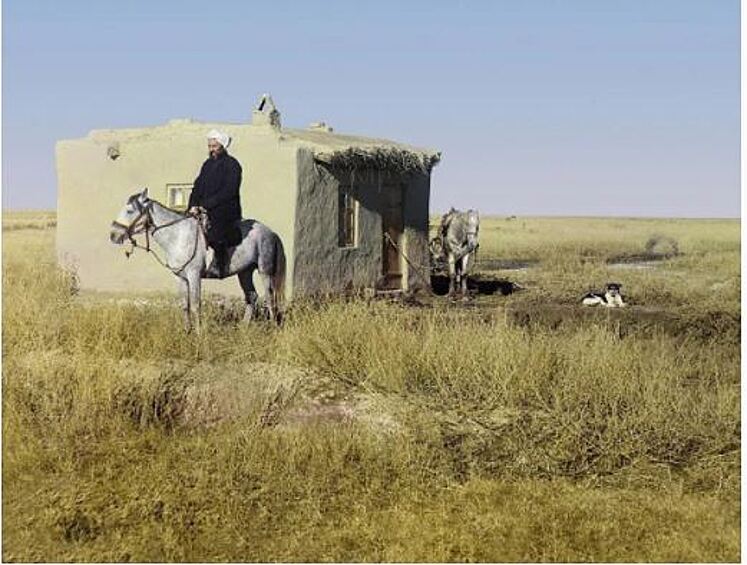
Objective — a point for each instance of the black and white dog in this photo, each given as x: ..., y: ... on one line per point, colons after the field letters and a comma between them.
x: 611, y: 297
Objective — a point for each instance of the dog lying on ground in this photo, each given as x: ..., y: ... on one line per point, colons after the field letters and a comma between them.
x: 610, y: 298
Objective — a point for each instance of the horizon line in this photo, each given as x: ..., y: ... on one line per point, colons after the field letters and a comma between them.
x: 496, y: 215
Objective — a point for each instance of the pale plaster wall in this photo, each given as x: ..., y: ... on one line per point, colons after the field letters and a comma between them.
x: 92, y: 189
x: 282, y: 187
x: 270, y: 186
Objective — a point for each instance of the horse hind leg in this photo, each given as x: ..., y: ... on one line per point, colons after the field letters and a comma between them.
x: 274, y: 309
x: 268, y: 296
x: 270, y: 268
x: 250, y: 294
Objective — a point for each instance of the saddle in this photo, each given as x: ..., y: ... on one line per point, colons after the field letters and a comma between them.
x: 233, y: 234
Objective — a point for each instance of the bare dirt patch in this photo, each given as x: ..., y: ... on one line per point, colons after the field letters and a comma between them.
x: 272, y: 395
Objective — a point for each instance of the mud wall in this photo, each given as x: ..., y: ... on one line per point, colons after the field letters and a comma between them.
x: 93, y: 187
x: 321, y: 265
x: 416, y: 205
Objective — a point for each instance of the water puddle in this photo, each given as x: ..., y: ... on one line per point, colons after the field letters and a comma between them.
x: 640, y: 261
x: 638, y: 265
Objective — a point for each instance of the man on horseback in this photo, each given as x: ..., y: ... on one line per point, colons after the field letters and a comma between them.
x: 216, y: 189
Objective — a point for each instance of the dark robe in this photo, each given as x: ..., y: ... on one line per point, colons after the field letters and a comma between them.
x: 217, y: 190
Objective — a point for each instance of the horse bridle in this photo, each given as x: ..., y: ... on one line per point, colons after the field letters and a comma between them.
x: 129, y: 229
x: 144, y: 211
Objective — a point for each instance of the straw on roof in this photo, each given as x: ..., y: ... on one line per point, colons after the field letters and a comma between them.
x: 354, y: 152
x: 379, y: 158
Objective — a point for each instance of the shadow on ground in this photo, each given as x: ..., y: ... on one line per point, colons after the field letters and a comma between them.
x: 475, y: 284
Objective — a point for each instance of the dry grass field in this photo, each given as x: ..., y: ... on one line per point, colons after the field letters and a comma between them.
x: 515, y: 427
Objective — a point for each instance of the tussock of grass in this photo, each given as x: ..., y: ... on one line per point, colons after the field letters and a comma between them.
x: 464, y: 438
x: 587, y: 402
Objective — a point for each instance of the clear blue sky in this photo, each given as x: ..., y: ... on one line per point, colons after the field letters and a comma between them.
x: 572, y: 107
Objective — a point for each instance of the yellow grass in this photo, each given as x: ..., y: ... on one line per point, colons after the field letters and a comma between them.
x: 28, y: 220
x: 520, y: 428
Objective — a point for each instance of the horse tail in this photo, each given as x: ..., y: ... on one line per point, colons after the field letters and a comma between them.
x: 278, y: 273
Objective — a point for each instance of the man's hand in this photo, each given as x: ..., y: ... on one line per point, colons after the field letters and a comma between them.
x: 196, y: 210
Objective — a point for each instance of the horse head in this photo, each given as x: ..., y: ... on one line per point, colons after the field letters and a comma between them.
x: 132, y: 219
x: 473, y: 229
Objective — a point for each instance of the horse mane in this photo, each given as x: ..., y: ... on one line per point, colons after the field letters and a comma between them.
x: 446, y: 219
x: 136, y: 197
x: 162, y: 205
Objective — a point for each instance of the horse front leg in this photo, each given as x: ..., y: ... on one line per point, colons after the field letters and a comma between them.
x: 452, y: 274
x: 464, y: 264
x: 195, y: 295
x: 185, y: 300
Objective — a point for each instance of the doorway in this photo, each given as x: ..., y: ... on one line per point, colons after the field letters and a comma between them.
x: 393, y: 243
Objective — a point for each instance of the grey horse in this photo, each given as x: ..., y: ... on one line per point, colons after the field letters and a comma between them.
x: 458, y: 239
x: 186, y: 254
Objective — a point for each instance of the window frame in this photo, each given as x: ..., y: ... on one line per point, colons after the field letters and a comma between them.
x: 347, y: 217
x: 175, y: 187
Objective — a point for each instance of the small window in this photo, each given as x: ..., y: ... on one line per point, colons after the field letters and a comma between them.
x: 347, y: 218
x: 177, y: 195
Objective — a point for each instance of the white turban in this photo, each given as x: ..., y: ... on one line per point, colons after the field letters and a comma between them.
x: 220, y: 137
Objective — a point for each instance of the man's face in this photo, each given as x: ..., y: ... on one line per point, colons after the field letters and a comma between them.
x: 214, y: 148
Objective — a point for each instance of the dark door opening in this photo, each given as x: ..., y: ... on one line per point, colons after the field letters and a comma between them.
x: 393, y: 228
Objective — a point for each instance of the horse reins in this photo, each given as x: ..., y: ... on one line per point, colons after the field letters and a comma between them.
x: 416, y: 268
x: 145, y: 212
